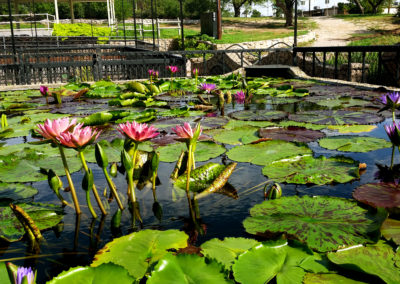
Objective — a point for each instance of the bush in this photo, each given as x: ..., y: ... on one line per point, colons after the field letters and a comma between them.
x: 255, y: 14
x: 81, y: 30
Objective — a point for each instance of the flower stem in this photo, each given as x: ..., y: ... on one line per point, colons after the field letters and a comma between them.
x: 188, y: 170
x: 394, y: 116
x: 90, y: 204
x: 131, y: 186
x: 96, y: 195
x: 391, y: 163
x: 71, y: 184
x: 113, y: 189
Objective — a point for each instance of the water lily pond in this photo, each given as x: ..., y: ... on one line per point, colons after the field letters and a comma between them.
x: 290, y: 181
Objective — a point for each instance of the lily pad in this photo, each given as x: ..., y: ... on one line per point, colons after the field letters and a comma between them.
x: 343, y: 102
x: 16, y: 191
x: 354, y: 143
x: 352, y: 128
x: 259, y: 115
x: 233, y: 123
x: 291, y: 134
x: 104, y: 274
x: 336, y: 117
x: 382, y: 194
x: 288, y: 123
x: 391, y: 230
x: 226, y: 251
x: 204, y: 151
x: 375, y: 259
x: 138, y: 251
x: 328, y: 278
x: 310, y: 170
x: 266, y: 152
x: 235, y: 136
x: 323, y: 223
x: 45, y: 216
x: 186, y: 268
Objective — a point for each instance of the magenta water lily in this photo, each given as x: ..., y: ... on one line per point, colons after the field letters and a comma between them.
x: 172, y: 68
x: 208, y: 88
x: 52, y: 129
x: 137, y: 132
x: 240, y: 97
x: 79, y: 137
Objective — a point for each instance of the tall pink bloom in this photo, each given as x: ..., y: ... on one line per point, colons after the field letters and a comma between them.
x: 240, y: 97
x: 51, y: 129
x: 185, y: 131
x: 44, y: 91
x: 208, y: 88
x: 173, y: 69
x: 137, y: 132
x: 79, y: 137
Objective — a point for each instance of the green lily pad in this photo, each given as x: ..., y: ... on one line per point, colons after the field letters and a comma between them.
x: 382, y: 194
x: 45, y: 216
x: 226, y: 251
x: 354, y: 143
x: 289, y: 123
x: 375, y: 259
x: 328, y: 278
x: 291, y: 134
x: 336, y: 117
x: 138, y: 251
x: 352, y: 128
x: 16, y: 191
x: 310, y: 170
x: 186, y: 268
x: 342, y: 102
x: 266, y: 152
x: 98, y: 118
x: 391, y: 230
x: 103, y: 89
x: 204, y: 151
x: 259, y: 115
x: 104, y: 274
x: 235, y: 136
x: 323, y: 223
x: 233, y: 123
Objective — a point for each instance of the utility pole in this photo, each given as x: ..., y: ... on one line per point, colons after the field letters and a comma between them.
x: 309, y: 8
x: 219, y: 20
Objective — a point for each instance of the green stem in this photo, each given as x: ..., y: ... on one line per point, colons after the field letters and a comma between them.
x: 113, y: 189
x: 131, y: 186
x: 95, y: 193
x: 391, y: 163
x: 71, y: 184
x: 188, y: 170
x: 90, y: 204
x: 394, y: 116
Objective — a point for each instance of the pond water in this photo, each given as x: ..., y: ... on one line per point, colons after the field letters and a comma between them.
x: 76, y: 240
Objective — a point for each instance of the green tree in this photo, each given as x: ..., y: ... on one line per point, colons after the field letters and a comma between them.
x: 287, y: 8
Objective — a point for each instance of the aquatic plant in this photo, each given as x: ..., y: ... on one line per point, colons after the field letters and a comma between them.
x: 195, y: 73
x: 393, y: 133
x: 153, y: 75
x: 172, y: 69
x: 44, y: 91
x: 207, y: 88
x: 24, y: 275
x: 4, y: 122
x: 240, y: 97
x: 391, y: 101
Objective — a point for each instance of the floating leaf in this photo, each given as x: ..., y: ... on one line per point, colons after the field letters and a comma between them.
x: 138, y: 251
x: 310, y: 170
x: 103, y: 274
x: 235, y: 136
x: 226, y: 251
x: 382, y: 194
x: 288, y: 123
x: 354, y: 143
x: 342, y: 102
x: 98, y: 118
x: 352, y: 128
x: 291, y: 134
x: 391, y: 230
x: 336, y: 117
x: 233, y: 123
x: 44, y: 215
x: 328, y: 278
x: 186, y: 268
x: 266, y: 152
x: 259, y: 115
x: 323, y: 223
x: 375, y: 259
x: 204, y: 151
x: 16, y: 191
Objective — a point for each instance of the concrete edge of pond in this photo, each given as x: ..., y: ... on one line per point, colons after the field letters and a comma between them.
x: 294, y: 71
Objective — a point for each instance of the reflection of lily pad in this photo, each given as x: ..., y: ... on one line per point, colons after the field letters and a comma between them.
x: 266, y: 152
x: 336, y: 117
x: 386, y: 195
x: 16, y: 191
x: 377, y: 259
x: 236, y: 136
x: 354, y: 143
x: 204, y: 151
x: 310, y: 170
x: 352, y: 128
x: 323, y: 223
x: 259, y: 115
x: 292, y: 133
x: 343, y: 102
x: 44, y: 215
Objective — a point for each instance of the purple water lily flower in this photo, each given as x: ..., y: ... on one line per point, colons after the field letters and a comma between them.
x: 208, y: 88
x: 393, y: 133
x: 27, y: 273
x: 44, y: 91
x: 390, y: 100
x: 240, y: 97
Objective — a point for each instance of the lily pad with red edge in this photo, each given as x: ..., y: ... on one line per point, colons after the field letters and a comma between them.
x: 291, y: 133
x: 259, y: 115
x: 337, y: 117
x: 382, y: 194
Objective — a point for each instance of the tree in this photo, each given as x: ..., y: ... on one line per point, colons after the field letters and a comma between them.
x: 287, y: 7
x: 238, y: 4
x: 375, y: 4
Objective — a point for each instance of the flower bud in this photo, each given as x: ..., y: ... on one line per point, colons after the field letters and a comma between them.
x: 88, y: 180
x: 126, y: 160
x: 54, y: 181
x: 274, y: 192
x: 101, y: 156
x: 114, y: 169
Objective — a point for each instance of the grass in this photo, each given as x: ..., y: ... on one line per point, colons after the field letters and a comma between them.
x: 237, y: 36
x: 366, y: 17
x: 377, y: 40
x: 23, y: 26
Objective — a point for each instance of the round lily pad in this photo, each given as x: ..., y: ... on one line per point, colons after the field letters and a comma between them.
x: 310, y: 170
x: 323, y: 223
x: 342, y: 102
x: 391, y: 230
x: 382, y: 194
x: 233, y: 123
x: 336, y: 117
x: 206, y: 123
x: 328, y: 278
x: 354, y: 143
x: 291, y: 133
x: 259, y: 115
x: 352, y: 128
x: 16, y: 191
x: 266, y: 152
x: 235, y: 136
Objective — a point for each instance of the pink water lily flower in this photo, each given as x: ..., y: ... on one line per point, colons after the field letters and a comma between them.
x: 208, y: 88
x: 195, y: 71
x: 79, y: 137
x: 44, y: 91
x: 240, y: 97
x: 137, y: 132
x: 51, y: 129
x: 172, y: 68
x: 185, y: 131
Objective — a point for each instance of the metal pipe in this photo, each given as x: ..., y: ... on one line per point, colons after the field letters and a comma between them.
x: 152, y: 23
x: 134, y: 20
x: 182, y: 33
x: 123, y: 20
x: 295, y: 24
x: 12, y: 31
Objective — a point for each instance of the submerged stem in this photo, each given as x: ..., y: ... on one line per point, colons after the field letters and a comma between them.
x: 391, y: 162
x: 131, y: 186
x: 394, y: 116
x: 71, y: 184
x: 113, y: 189
x: 90, y: 204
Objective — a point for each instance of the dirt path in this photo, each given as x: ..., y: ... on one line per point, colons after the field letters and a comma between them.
x: 335, y: 32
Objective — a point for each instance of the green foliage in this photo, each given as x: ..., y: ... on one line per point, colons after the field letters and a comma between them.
x: 81, y: 29
x: 354, y: 143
